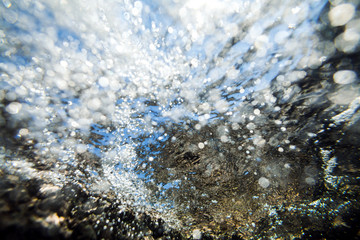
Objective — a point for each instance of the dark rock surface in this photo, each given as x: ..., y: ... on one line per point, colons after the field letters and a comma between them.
x: 32, y: 209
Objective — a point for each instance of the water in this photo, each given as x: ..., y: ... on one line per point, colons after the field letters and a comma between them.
x: 181, y: 107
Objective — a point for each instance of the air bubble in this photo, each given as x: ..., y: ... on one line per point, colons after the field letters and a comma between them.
x: 311, y: 181
x: 14, y: 108
x: 81, y: 148
x: 344, y: 77
x: 264, y: 182
x: 196, y: 234
x: 341, y: 14
x: 103, y: 82
x: 224, y: 138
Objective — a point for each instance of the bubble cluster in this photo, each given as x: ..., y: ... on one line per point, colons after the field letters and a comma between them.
x: 139, y: 100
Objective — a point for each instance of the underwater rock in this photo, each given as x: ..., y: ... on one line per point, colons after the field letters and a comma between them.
x: 70, y: 213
